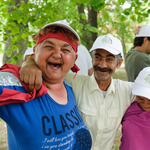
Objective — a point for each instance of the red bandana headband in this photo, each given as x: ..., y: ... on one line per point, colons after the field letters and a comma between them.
x: 62, y: 37
x: 59, y: 36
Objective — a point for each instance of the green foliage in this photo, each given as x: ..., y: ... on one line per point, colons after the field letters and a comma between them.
x: 121, y: 2
x: 82, y: 1
x: 105, y: 15
x: 18, y: 21
x: 99, y: 7
x: 122, y: 18
x: 96, y: 2
x: 8, y: 53
x: 140, y: 19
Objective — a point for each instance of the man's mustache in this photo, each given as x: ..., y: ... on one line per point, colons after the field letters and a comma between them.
x: 102, y: 69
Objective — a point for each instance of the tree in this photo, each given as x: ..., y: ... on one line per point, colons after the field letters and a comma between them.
x: 15, y: 30
x: 90, y: 18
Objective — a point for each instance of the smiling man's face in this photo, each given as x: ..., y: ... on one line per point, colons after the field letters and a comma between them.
x: 104, y: 64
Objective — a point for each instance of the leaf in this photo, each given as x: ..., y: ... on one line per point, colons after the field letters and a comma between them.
x: 96, y: 2
x: 127, y: 11
x: 8, y: 53
x: 5, y: 38
x: 145, y: 15
x: 105, y: 15
x: 133, y: 18
x: 83, y: 15
x: 13, y: 2
x: 38, y: 13
x: 140, y: 19
x: 82, y: 1
x: 15, y: 29
x: 122, y: 18
x: 16, y: 15
x: 91, y: 28
x: 25, y: 20
x: 24, y: 35
x: 121, y: 2
x: 99, y: 7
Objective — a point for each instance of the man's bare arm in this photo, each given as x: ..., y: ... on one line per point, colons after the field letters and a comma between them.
x: 31, y: 74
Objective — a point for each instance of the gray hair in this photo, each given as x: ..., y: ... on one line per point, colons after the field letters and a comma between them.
x: 119, y: 57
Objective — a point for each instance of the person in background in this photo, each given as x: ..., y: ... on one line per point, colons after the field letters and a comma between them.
x: 136, y: 121
x: 29, y: 54
x: 50, y: 120
x: 84, y: 61
x: 102, y: 100
x: 138, y: 57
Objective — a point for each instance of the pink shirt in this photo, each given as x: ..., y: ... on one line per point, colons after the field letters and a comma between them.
x: 135, y: 129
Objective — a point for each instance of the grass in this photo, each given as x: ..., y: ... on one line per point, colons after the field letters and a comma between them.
x: 119, y: 74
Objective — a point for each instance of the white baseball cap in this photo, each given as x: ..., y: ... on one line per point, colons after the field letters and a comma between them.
x: 108, y: 43
x: 65, y: 24
x: 29, y: 51
x: 144, y: 32
x: 141, y: 85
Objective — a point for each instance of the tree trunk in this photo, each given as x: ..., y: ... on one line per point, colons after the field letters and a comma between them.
x: 92, y: 20
x: 8, y: 42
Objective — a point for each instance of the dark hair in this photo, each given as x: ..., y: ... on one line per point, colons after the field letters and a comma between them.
x: 138, y: 41
x: 56, y: 29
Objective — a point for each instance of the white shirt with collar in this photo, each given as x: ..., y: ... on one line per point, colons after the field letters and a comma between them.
x: 101, y: 115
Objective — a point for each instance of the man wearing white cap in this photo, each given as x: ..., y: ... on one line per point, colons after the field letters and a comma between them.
x: 102, y: 100
x: 138, y: 57
x: 136, y: 121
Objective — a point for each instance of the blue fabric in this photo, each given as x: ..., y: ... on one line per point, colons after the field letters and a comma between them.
x: 44, y: 124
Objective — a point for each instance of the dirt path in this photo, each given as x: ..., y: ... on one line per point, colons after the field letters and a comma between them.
x: 3, y: 136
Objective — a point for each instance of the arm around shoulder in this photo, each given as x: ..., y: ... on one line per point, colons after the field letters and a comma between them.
x: 31, y: 74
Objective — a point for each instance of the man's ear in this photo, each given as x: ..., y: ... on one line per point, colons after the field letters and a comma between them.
x: 145, y: 40
x: 119, y: 63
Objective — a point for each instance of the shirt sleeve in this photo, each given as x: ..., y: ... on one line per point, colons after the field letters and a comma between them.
x: 75, y: 81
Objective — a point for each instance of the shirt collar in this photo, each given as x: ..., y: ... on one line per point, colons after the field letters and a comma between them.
x: 94, y: 86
